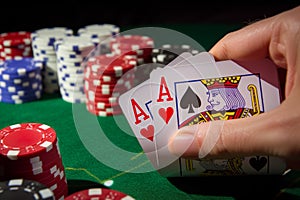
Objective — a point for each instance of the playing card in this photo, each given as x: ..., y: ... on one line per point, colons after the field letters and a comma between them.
x: 236, y: 92
x: 164, y: 99
x: 196, y: 89
x: 136, y: 106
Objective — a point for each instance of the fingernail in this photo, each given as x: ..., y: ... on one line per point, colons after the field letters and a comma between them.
x: 183, y: 139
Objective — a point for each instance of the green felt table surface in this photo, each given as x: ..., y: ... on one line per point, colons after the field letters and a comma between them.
x: 98, y: 149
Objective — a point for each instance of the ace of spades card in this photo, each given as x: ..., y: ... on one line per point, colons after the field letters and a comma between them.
x: 196, y: 92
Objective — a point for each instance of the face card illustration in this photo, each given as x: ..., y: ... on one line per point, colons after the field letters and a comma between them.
x: 136, y: 105
x: 234, y: 93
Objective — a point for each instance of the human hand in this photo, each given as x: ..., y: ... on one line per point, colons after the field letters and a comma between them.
x: 274, y: 133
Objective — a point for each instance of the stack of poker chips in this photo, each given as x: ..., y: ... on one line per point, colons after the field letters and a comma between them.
x: 107, y: 76
x: 15, y: 45
x: 167, y: 52
x: 100, y: 34
x: 20, y: 80
x: 71, y: 52
x: 137, y: 45
x: 30, y: 151
x: 25, y: 189
x: 43, y: 49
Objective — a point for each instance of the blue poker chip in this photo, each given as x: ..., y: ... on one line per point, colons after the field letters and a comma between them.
x: 24, y: 82
x: 21, y: 93
x: 31, y: 84
x: 20, y: 67
x: 11, y: 100
x: 15, y: 89
x: 29, y: 96
x: 20, y: 79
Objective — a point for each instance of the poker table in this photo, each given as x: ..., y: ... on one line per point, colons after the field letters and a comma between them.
x: 103, y: 152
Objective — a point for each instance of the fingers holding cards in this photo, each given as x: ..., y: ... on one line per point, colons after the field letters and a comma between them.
x: 195, y: 89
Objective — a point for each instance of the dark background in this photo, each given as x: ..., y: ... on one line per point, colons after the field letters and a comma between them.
x: 30, y: 16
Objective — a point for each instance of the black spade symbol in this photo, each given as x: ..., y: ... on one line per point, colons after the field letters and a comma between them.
x: 189, y: 100
x: 258, y: 162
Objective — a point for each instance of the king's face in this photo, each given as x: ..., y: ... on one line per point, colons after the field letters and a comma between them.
x: 216, y: 100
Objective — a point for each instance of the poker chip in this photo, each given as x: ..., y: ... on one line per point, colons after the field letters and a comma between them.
x: 43, y: 47
x: 167, y: 52
x: 15, y: 45
x: 20, y: 80
x: 25, y: 189
x: 106, y: 77
x: 100, y: 35
x: 99, y: 193
x: 71, y: 52
x: 140, y: 46
x: 15, y: 38
x: 31, y: 151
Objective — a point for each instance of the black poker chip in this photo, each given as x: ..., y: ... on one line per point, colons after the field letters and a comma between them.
x: 167, y: 53
x: 16, y: 189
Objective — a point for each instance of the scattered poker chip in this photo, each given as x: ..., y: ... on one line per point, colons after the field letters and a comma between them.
x: 25, y: 189
x: 99, y: 193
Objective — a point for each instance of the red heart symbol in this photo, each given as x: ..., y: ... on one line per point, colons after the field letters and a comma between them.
x: 148, y: 132
x: 166, y: 114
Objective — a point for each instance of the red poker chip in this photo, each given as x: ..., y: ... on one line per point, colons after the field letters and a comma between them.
x: 108, y: 80
x: 100, y: 107
x: 99, y: 193
x: 106, y: 77
x: 97, y: 86
x: 108, y: 100
x: 10, y: 57
x: 106, y: 91
x: 26, y: 140
x: 104, y: 113
x: 13, y: 54
x: 96, y: 107
x: 103, y: 96
x: 46, y: 156
x: 60, y: 189
x: 100, y: 104
x: 15, y: 38
x: 12, y: 50
x: 144, y: 54
x: 31, y: 163
x: 132, y: 42
x: 41, y: 173
x: 111, y: 64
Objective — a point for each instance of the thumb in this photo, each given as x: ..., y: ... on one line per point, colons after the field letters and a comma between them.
x: 257, y: 135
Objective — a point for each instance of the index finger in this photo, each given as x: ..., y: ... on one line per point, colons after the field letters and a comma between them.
x: 250, y: 42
